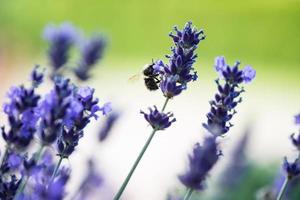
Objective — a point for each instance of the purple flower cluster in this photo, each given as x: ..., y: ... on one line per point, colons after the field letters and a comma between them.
x: 62, y: 38
x: 179, y: 71
x: 22, y: 117
x: 227, y: 98
x: 158, y: 120
x: 200, y: 163
x: 60, y: 118
x: 91, y: 52
x: 222, y: 109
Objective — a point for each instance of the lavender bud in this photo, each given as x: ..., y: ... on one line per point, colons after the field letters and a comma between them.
x: 158, y: 120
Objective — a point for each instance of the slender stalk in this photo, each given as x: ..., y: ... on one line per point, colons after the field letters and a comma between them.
x: 56, y: 168
x: 188, y: 194
x: 122, y: 188
x: 282, y: 189
x: 165, y: 104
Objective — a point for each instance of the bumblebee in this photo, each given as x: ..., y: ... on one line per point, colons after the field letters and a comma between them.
x: 151, y: 78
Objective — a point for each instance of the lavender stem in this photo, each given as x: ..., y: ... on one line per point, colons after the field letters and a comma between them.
x: 56, y: 168
x: 122, y: 188
x: 282, y: 189
x: 188, y: 194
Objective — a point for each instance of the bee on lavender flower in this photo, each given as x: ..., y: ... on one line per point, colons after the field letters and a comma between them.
x: 151, y: 77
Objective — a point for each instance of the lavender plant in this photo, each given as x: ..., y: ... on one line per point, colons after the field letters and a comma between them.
x: 172, y: 79
x: 218, y: 123
x: 57, y: 120
x: 292, y: 169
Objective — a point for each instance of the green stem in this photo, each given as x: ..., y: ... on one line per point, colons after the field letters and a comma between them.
x: 122, y: 188
x: 282, y: 189
x: 165, y: 104
x: 56, y: 168
x: 188, y: 194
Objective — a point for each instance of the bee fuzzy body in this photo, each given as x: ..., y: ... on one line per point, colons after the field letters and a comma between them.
x: 151, y: 78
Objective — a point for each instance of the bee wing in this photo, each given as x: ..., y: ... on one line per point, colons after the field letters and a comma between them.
x: 135, y: 78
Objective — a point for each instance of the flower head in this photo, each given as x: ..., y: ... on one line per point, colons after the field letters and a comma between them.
x: 188, y: 37
x: 158, y: 120
x: 248, y: 74
x: 220, y: 64
x: 201, y: 162
x: 170, y: 87
x: 8, y: 188
x: 61, y: 39
x: 36, y: 77
x: 296, y: 140
x: 225, y: 101
x: 292, y: 169
x: 175, y: 75
x: 91, y: 53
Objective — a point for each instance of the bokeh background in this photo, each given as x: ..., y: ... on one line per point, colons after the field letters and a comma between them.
x: 264, y: 34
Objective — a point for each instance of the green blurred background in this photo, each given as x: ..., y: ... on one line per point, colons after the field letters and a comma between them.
x: 263, y: 33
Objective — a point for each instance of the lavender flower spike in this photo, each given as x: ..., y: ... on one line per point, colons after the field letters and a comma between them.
x: 91, y: 53
x: 159, y: 120
x: 200, y: 163
x: 61, y: 39
x: 225, y: 101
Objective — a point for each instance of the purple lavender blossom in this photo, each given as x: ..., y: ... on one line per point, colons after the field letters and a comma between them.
x: 248, y: 74
x: 36, y: 77
x: 292, y: 169
x: 53, y: 110
x: 227, y: 98
x: 296, y: 141
x: 220, y: 64
x: 200, y: 163
x: 20, y: 110
x: 53, y: 190
x: 91, y: 53
x: 170, y: 87
x: 189, y: 37
x: 181, y: 60
x: 82, y: 107
x: 158, y: 120
x: 108, y: 125
x: 8, y: 188
x: 297, y: 119
x: 61, y: 38
x: 14, y: 161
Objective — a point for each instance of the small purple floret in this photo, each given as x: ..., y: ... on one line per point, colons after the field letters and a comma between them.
x: 159, y: 120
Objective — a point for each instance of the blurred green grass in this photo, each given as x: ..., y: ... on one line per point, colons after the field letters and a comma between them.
x: 265, y: 32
